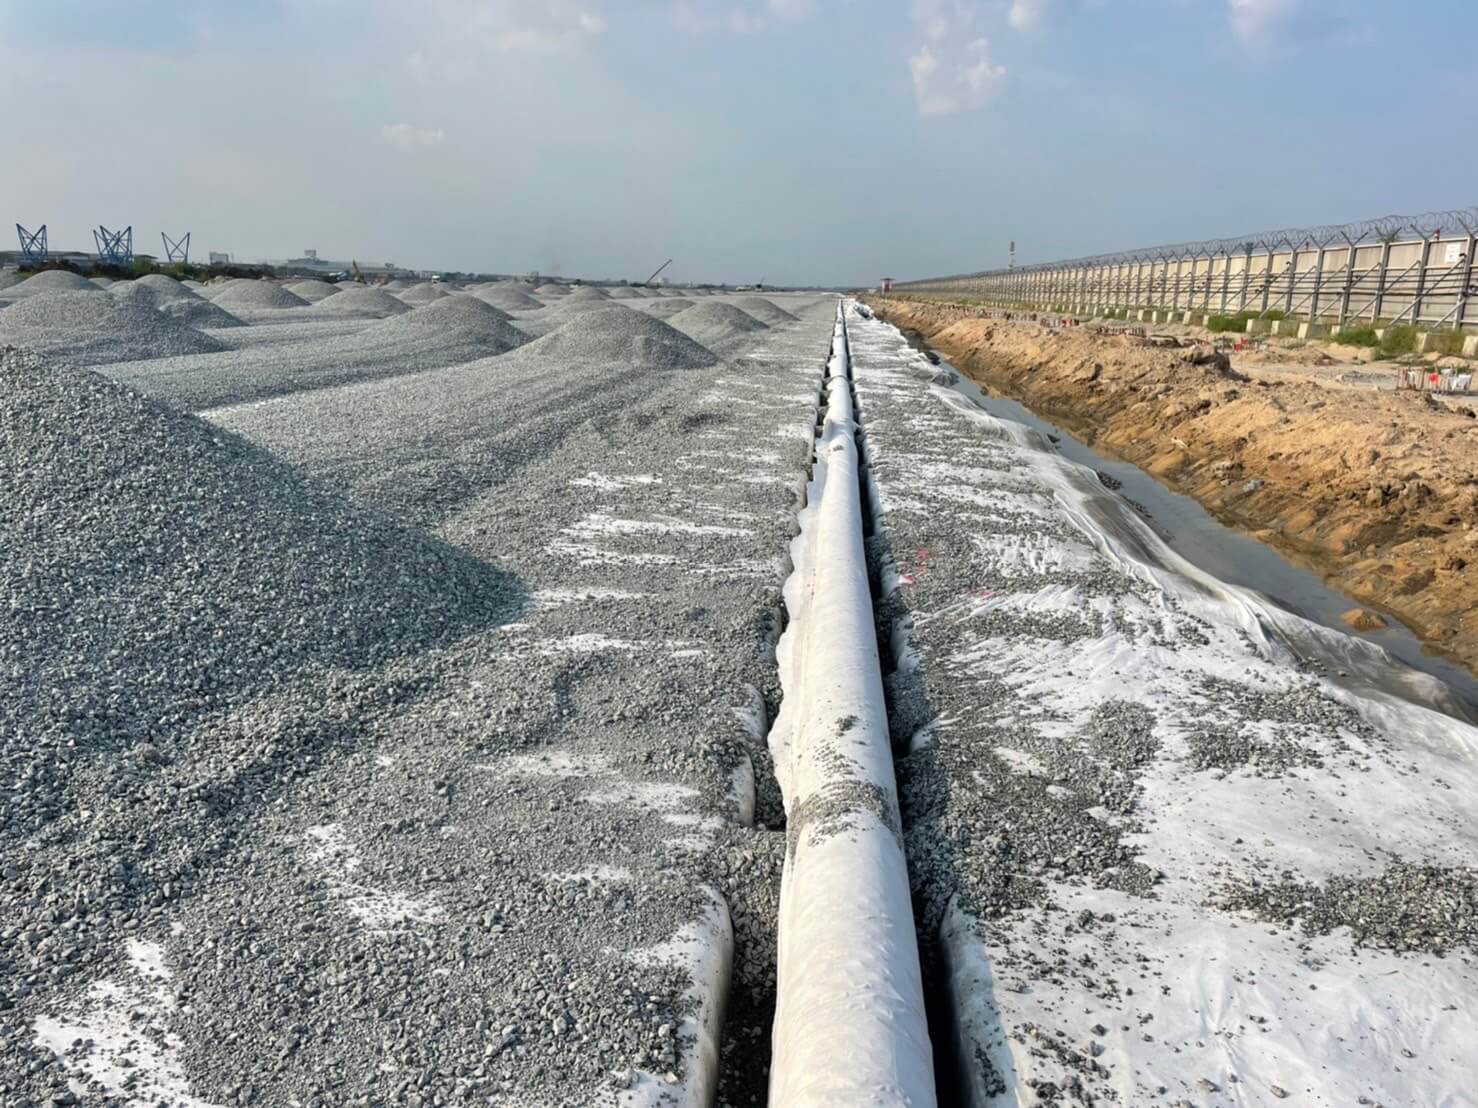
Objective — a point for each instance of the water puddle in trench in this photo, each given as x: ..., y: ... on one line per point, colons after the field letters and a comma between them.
x: 1238, y: 559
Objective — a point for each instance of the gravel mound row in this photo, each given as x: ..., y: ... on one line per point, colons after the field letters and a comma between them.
x: 200, y: 313
x: 623, y: 292
x: 51, y: 280
x: 452, y: 331
x: 95, y: 328
x: 102, y: 282
x: 587, y: 293
x: 459, y: 328
x: 551, y: 290
x: 193, y: 568
x: 256, y: 295
x: 361, y: 302
x: 423, y: 293
x: 714, y: 322
x: 667, y: 307
x: 312, y: 291
x: 764, y: 310
x: 615, y: 334
x: 165, y: 287
x: 510, y: 298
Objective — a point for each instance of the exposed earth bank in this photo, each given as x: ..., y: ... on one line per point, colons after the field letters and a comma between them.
x: 1378, y: 491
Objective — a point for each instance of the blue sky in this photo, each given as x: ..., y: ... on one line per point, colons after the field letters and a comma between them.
x: 827, y: 141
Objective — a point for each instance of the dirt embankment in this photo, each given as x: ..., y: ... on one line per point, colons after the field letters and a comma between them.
x: 1378, y: 491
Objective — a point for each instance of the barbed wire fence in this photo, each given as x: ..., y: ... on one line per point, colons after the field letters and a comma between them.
x: 1390, y: 270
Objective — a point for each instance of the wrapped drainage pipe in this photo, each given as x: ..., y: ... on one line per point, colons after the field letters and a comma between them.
x: 849, y: 1025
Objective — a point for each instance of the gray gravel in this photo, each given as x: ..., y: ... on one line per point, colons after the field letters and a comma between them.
x: 200, y: 314
x: 362, y: 302
x: 96, y: 328
x: 510, y: 298
x: 449, y: 332
x: 1405, y: 907
x: 619, y: 335
x: 312, y: 291
x: 424, y: 293
x: 766, y: 311
x: 372, y: 876
x: 256, y: 295
x: 714, y: 322
x: 51, y: 280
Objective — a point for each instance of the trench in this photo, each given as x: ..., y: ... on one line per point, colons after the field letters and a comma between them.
x: 907, y: 712
x: 745, y: 1046
x: 1238, y: 559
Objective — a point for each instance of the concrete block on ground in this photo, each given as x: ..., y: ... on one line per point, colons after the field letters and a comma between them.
x: 1313, y: 330
x: 1470, y: 346
x: 1259, y: 326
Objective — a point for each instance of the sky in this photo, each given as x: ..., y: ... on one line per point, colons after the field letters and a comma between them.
x: 823, y: 142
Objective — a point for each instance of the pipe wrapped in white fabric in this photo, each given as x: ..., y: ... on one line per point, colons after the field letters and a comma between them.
x: 849, y: 1026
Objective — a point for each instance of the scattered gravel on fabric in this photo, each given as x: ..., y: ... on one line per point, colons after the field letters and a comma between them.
x: 1405, y: 907
x: 510, y: 298
x: 96, y: 328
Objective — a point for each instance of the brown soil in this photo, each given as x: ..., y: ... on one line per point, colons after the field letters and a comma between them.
x: 1376, y: 490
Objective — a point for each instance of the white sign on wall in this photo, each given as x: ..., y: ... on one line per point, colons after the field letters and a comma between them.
x: 1454, y: 253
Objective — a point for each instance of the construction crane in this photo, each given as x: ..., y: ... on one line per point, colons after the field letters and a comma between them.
x: 657, y: 274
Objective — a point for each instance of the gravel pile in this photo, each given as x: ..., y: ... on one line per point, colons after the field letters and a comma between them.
x: 587, y: 293
x: 510, y: 298
x: 764, y: 310
x: 165, y: 288
x: 449, y: 332
x: 95, y: 328
x: 395, y: 285
x: 623, y: 292
x: 51, y: 280
x: 313, y: 291
x: 256, y: 296
x: 200, y: 313
x: 102, y: 282
x: 359, y: 302
x: 455, y: 328
x: 667, y: 307
x: 9, y: 277
x: 619, y: 335
x: 551, y: 290
x: 423, y: 293
x: 193, y: 568
x: 715, y: 322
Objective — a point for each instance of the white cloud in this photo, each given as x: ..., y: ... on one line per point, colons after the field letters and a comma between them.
x: 952, y: 70
x: 405, y: 136
x: 1253, y: 20
x: 743, y: 17
x: 1026, y: 15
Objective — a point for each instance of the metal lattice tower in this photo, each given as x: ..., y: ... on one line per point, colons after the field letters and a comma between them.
x: 33, y: 244
x: 114, y: 246
x: 177, y: 250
